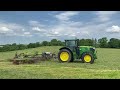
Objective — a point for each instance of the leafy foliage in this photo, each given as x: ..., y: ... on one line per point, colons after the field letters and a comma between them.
x: 102, y: 43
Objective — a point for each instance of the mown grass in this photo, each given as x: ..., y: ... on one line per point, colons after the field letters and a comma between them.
x: 107, y: 66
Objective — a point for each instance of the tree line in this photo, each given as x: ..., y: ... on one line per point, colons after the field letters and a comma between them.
x: 14, y: 46
x: 100, y: 43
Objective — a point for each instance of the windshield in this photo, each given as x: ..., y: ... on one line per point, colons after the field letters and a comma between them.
x: 70, y: 43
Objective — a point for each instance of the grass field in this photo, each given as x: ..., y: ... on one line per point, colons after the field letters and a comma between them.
x: 107, y: 66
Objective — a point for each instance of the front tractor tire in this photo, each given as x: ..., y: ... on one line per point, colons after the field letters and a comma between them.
x: 65, y: 55
x: 87, y: 58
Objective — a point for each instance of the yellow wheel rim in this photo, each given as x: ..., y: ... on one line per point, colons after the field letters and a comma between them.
x: 64, y: 56
x: 87, y: 58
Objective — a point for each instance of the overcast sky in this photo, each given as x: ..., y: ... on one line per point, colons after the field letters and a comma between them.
x: 36, y: 26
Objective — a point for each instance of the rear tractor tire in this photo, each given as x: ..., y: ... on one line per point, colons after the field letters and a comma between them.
x: 87, y: 58
x: 65, y: 55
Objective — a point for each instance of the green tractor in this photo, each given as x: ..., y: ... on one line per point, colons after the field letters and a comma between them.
x: 71, y: 51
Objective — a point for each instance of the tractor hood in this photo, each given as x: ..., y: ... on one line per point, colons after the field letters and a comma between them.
x: 87, y: 47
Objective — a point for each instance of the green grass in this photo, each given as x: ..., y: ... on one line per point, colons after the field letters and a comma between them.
x: 107, y: 66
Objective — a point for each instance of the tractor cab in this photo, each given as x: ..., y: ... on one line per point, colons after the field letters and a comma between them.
x: 73, y: 45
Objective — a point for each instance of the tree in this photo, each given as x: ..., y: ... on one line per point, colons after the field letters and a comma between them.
x: 22, y: 46
x: 82, y: 42
x: 114, y: 43
x: 37, y: 44
x: 89, y: 42
x: 45, y: 43
x: 103, y: 42
x: 86, y: 42
x: 95, y: 43
x: 14, y: 46
x: 31, y: 45
x: 54, y: 42
x: 60, y: 43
